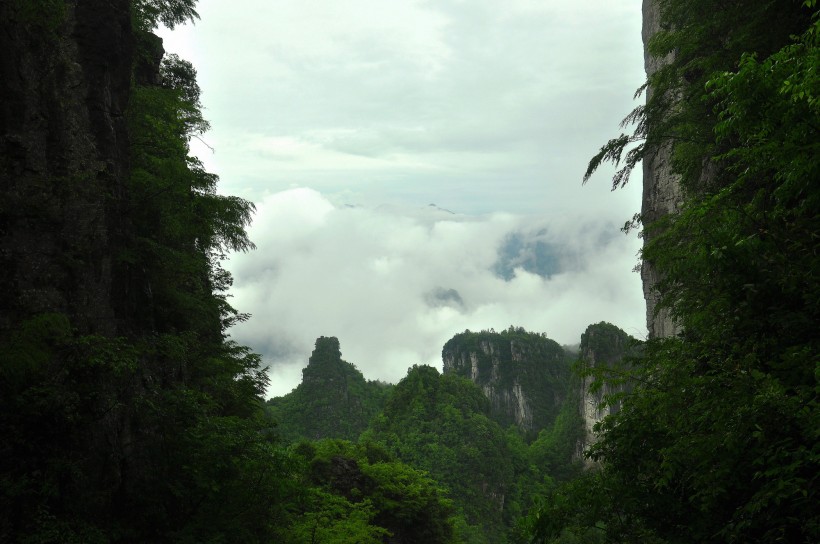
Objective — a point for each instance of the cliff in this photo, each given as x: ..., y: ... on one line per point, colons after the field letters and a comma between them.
x: 117, y: 381
x: 662, y: 193
x: 333, y: 400
x: 65, y: 80
x: 524, y: 375
x: 65, y: 74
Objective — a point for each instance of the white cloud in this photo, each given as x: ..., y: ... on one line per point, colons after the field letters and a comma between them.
x: 447, y: 94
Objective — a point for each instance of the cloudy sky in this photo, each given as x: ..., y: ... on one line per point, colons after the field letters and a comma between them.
x: 416, y: 167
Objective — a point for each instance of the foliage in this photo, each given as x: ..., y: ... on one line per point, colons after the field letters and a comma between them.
x: 179, y: 75
x: 148, y: 14
x: 332, y: 519
x: 441, y: 424
x: 554, y: 450
x: 702, y: 37
x: 561, y: 521
x: 365, y: 493
x: 54, y: 391
x: 718, y: 441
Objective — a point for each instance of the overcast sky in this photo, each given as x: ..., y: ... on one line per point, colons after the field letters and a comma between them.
x: 345, y: 120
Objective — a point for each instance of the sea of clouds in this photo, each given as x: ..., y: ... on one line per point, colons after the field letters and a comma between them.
x: 395, y: 283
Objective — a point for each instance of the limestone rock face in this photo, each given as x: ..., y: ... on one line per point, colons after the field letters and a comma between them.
x: 65, y: 73
x: 662, y: 193
x: 602, y: 345
x: 524, y: 375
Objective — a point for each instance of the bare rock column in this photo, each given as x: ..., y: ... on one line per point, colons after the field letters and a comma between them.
x: 662, y: 192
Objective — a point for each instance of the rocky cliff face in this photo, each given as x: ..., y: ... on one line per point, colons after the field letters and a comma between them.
x: 662, y: 193
x: 65, y: 73
x: 524, y: 375
x: 603, y: 346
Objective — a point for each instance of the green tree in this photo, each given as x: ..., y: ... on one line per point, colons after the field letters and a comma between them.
x: 365, y: 492
x: 332, y: 519
x: 702, y: 37
x: 148, y: 14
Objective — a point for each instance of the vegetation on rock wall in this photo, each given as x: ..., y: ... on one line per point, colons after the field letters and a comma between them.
x: 526, y: 375
x: 126, y: 413
x: 718, y: 440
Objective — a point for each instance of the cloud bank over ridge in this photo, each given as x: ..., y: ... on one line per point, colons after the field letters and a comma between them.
x: 394, y: 284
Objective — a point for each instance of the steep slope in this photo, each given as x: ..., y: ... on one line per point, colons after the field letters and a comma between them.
x: 524, y: 375
x: 333, y: 400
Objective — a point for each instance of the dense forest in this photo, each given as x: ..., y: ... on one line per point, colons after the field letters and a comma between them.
x: 128, y: 414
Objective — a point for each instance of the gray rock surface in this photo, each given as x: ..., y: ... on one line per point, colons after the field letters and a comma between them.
x: 662, y: 193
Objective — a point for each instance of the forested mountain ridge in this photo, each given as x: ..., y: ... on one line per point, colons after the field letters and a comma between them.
x: 441, y: 424
x: 333, y: 400
x: 492, y: 468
